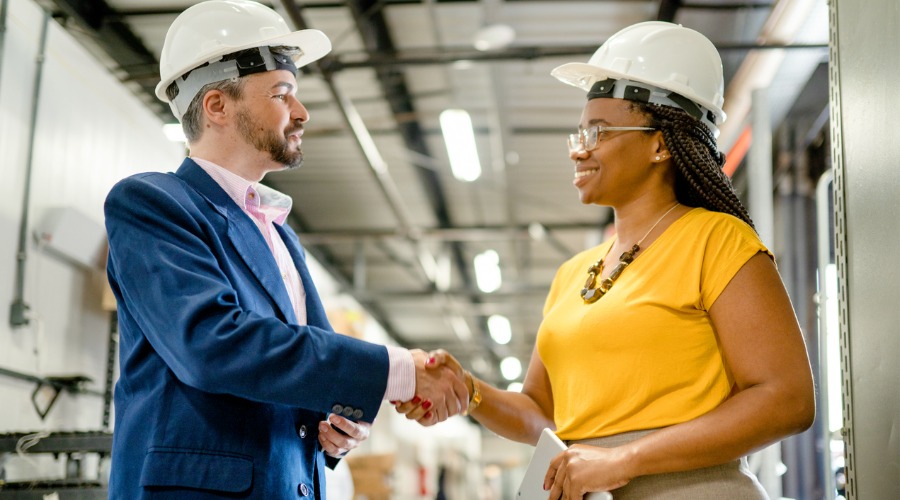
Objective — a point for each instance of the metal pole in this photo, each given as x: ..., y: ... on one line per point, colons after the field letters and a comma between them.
x: 823, y: 237
x: 18, y: 312
x: 4, y: 7
x: 762, y: 211
x: 759, y: 176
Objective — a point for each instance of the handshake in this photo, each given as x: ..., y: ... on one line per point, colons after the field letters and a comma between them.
x: 443, y: 388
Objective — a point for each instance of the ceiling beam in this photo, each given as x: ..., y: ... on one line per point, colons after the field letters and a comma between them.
x: 106, y: 28
x: 426, y: 57
x: 668, y: 9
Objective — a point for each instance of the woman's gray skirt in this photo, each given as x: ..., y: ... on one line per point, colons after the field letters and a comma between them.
x: 732, y: 480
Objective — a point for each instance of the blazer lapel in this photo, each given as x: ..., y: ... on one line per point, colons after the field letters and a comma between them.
x: 244, y: 235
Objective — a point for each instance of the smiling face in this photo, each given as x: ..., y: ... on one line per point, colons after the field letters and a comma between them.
x: 270, y: 118
x: 619, y: 167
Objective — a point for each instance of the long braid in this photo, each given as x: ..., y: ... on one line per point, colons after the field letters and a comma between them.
x: 699, y: 179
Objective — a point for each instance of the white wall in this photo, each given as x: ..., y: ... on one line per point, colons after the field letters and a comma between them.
x: 91, y: 131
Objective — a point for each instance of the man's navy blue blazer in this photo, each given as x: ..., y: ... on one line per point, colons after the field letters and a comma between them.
x: 220, y: 390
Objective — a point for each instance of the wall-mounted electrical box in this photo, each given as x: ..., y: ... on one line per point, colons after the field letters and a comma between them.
x: 74, y: 236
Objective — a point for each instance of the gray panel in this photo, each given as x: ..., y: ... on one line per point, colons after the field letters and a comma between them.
x: 864, y: 100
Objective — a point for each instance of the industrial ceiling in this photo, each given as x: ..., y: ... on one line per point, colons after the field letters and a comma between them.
x: 391, y: 223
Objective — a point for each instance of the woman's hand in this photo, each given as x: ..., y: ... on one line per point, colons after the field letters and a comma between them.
x: 420, y: 410
x: 337, y: 444
x: 582, y: 469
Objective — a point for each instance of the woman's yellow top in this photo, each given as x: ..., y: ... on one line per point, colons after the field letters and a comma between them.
x: 646, y: 354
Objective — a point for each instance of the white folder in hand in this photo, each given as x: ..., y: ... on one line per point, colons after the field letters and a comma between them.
x: 532, y: 487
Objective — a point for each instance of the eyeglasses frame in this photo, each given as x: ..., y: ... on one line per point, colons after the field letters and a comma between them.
x: 581, y: 137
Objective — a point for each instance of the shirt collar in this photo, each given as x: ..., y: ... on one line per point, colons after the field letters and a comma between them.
x: 250, y: 196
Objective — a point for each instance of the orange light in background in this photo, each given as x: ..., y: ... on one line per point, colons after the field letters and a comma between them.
x: 734, y: 157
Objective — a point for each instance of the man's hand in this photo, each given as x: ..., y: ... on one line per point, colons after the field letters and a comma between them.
x: 440, y: 390
x: 424, y: 410
x: 336, y: 444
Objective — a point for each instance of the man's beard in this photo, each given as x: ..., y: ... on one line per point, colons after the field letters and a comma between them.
x: 267, y: 141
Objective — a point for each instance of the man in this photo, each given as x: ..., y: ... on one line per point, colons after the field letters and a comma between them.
x: 233, y: 383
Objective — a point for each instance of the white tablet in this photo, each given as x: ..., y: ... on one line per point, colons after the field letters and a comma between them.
x: 532, y: 487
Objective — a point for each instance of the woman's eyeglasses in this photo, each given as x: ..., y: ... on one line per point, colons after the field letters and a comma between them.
x: 589, y: 138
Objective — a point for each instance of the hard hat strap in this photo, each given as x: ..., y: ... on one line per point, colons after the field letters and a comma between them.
x: 255, y: 60
x: 642, y: 92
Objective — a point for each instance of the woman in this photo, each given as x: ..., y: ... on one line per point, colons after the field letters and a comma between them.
x: 671, y: 351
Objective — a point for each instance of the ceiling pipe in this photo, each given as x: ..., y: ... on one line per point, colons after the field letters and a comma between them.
x: 449, y: 55
x: 360, y: 133
x: 148, y: 73
x: 425, y: 260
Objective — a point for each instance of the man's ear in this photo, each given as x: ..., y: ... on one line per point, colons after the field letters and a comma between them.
x: 215, y: 106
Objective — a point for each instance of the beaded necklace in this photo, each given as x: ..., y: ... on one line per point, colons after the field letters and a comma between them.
x: 592, y: 293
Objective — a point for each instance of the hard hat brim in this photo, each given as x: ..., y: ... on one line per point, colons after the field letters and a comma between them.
x: 583, y: 76
x: 312, y: 42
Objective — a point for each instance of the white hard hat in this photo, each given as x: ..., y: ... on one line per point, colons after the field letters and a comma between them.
x: 658, y: 54
x: 207, y: 31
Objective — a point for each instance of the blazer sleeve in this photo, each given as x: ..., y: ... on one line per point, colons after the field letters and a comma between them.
x: 185, y: 290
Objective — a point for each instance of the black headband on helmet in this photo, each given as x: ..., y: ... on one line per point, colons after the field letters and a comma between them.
x: 250, y: 61
x: 643, y: 92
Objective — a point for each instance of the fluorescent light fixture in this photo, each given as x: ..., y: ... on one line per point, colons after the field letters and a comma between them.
x: 494, y: 37
x: 500, y: 329
x: 460, y: 141
x: 514, y: 387
x: 487, y: 271
x: 174, y: 132
x: 511, y: 368
x: 537, y: 231
x: 443, y: 276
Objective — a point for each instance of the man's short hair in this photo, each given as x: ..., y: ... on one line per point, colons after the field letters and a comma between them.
x: 191, y: 122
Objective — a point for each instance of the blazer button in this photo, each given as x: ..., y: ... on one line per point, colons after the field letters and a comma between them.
x: 348, y: 411
x: 303, y: 490
x: 357, y: 414
x: 301, y: 431
x: 337, y: 409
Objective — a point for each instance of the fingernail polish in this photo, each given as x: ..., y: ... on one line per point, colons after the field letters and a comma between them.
x: 430, y: 361
x: 416, y: 400
x: 427, y: 415
x: 426, y: 404
x: 395, y: 403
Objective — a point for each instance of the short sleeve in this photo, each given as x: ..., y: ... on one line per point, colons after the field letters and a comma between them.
x: 730, y: 243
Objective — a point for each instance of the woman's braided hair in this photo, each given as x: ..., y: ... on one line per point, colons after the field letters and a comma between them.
x: 699, y: 179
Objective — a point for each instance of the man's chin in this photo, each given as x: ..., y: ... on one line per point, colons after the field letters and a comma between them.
x: 290, y: 162
x: 295, y: 165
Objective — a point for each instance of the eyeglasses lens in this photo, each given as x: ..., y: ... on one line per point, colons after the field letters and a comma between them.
x: 584, y: 140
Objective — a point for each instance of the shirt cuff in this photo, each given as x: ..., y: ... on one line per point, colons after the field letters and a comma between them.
x: 401, y: 384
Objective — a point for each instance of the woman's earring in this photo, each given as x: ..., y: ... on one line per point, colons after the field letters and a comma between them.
x: 658, y: 158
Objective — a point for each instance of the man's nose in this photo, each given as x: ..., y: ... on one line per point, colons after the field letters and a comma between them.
x: 299, y: 111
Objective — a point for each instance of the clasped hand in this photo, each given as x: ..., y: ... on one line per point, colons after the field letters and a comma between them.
x: 441, y: 390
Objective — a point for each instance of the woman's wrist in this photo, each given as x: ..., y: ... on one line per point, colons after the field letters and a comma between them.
x: 474, y: 389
